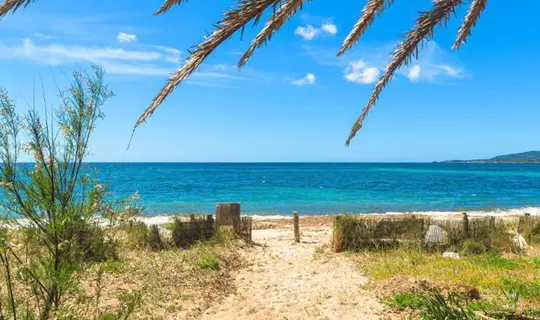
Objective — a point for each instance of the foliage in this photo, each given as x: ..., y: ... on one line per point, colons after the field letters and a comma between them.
x: 403, y: 300
x: 56, y: 199
x: 208, y: 260
x: 436, y: 307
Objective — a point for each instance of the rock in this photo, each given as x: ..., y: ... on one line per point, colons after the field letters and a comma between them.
x: 451, y: 255
x: 436, y: 235
x: 520, y: 242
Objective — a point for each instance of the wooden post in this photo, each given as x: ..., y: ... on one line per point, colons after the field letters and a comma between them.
x: 227, y: 213
x: 465, y: 225
x: 296, y: 222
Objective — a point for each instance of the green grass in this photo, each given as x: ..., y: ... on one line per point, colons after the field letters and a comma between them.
x: 208, y: 260
x: 403, y: 300
x: 497, y: 278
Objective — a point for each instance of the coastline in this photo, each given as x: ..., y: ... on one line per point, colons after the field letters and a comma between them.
x: 161, y: 219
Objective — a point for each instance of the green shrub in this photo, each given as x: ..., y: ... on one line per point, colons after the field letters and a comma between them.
x: 54, y: 195
x: 436, y: 307
x: 208, y: 260
x: 404, y: 300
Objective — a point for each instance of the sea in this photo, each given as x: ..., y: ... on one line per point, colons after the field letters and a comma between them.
x: 327, y: 188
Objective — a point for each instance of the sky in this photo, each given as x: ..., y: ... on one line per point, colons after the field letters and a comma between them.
x: 294, y: 100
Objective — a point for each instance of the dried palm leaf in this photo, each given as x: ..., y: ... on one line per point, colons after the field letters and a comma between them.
x: 476, y: 8
x: 168, y: 5
x: 13, y: 5
x: 276, y: 21
x: 233, y: 20
x: 423, y: 30
x: 372, y: 8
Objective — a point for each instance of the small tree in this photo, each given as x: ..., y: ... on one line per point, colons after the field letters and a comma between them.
x: 54, y: 195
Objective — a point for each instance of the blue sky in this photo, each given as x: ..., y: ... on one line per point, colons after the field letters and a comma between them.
x: 294, y: 101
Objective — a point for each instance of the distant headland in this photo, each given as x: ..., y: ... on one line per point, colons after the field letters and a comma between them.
x: 524, y: 157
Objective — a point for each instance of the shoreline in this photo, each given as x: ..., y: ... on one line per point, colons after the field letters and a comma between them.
x: 161, y: 219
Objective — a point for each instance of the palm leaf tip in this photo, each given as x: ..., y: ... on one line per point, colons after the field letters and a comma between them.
x: 168, y: 5
x: 366, y: 19
x: 13, y: 5
x: 475, y: 9
x: 423, y: 30
x: 275, y: 22
x: 232, y: 21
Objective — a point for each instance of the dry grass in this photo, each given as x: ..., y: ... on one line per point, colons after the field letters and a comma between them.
x: 157, y: 284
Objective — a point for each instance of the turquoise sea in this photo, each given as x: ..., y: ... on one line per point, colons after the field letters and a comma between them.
x: 320, y: 188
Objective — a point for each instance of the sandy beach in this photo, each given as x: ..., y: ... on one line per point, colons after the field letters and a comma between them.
x: 286, y: 280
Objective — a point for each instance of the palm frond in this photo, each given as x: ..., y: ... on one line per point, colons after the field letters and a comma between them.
x: 366, y: 19
x: 13, y: 5
x: 232, y: 21
x: 423, y: 30
x: 276, y: 21
x: 475, y: 9
x: 168, y: 5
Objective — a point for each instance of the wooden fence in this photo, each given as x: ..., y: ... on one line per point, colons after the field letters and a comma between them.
x: 243, y: 228
x: 361, y: 232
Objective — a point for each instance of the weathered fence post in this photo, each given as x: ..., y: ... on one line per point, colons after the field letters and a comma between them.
x: 465, y: 225
x: 296, y: 223
x: 210, y: 228
x: 227, y: 213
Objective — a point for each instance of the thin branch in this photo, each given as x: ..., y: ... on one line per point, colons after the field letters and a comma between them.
x: 233, y: 20
x: 475, y: 9
x: 423, y: 30
x: 372, y: 8
x: 276, y: 21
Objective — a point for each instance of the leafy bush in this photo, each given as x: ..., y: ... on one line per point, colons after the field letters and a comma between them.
x: 56, y: 198
x: 208, y: 260
x: 404, y: 300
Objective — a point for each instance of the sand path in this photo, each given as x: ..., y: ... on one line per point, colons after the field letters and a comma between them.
x: 296, y: 281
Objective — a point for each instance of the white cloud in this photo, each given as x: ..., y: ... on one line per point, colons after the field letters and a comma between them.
x: 307, y: 79
x: 414, y: 73
x: 359, y: 72
x: 435, y: 64
x: 126, y: 37
x: 330, y: 28
x: 147, y: 60
x: 309, y: 32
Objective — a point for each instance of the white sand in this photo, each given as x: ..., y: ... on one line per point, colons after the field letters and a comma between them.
x: 290, y: 281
